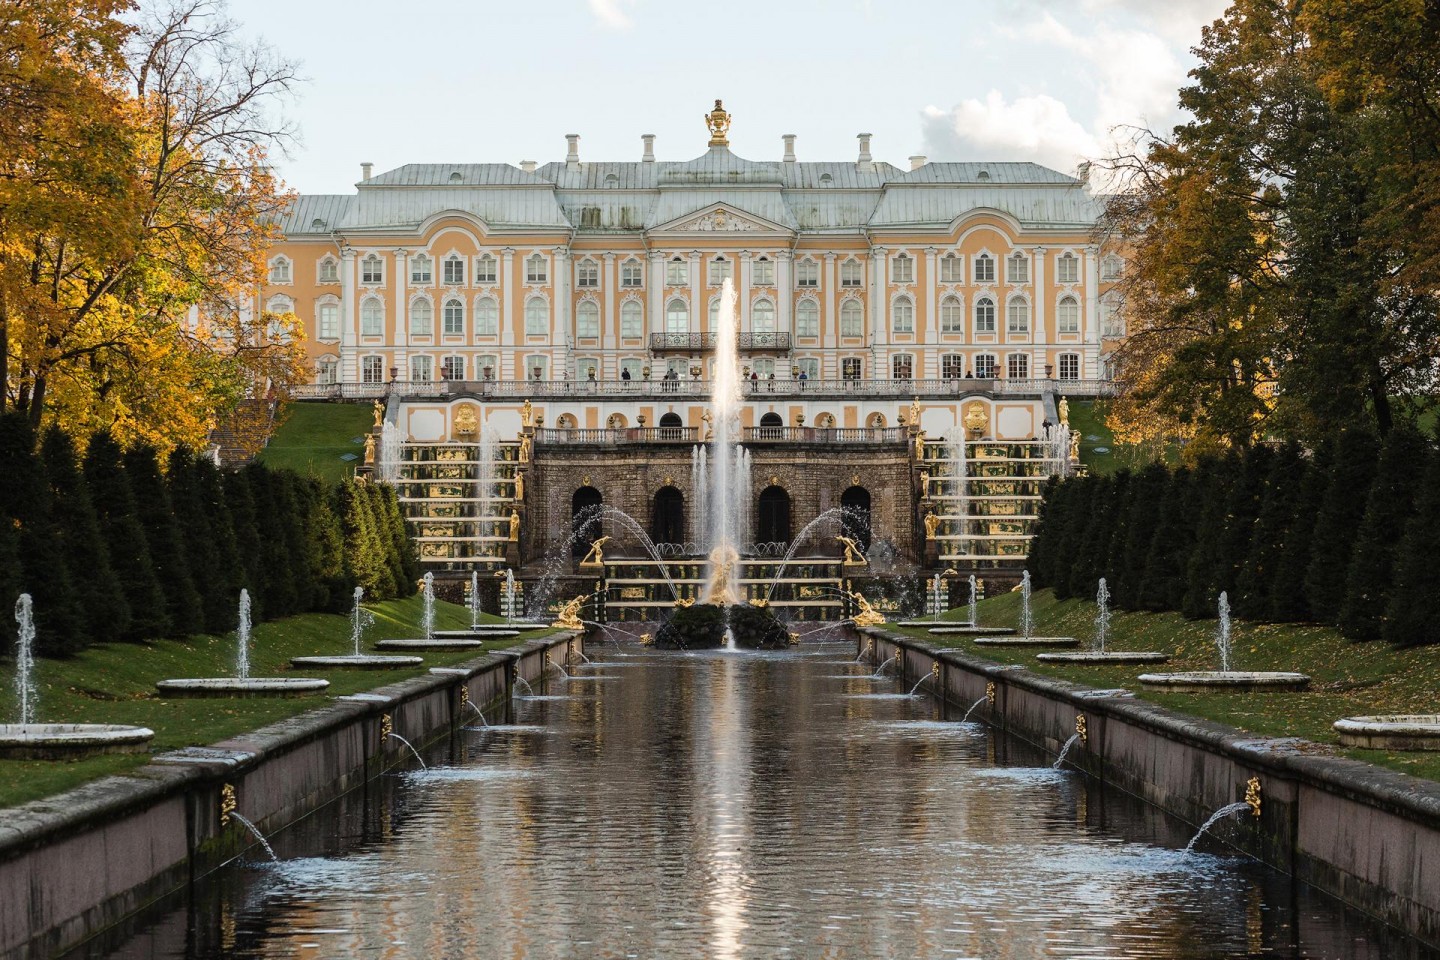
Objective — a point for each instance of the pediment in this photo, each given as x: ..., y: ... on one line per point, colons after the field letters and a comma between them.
x: 721, y: 218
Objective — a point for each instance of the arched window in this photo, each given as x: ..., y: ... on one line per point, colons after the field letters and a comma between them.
x: 952, y: 316
x: 807, y: 319
x: 535, y: 269
x: 762, y: 317
x: 372, y: 318
x: 668, y: 519
x: 772, y: 519
x: 1017, y: 268
x: 329, y: 270
x: 1067, y: 316
x: 902, y: 315
x: 952, y: 269
x: 677, y: 272
x: 902, y: 269
x: 587, y: 274
x: 280, y: 270
x: 280, y: 305
x: 585, y: 518
x: 670, y: 426
x: 327, y: 321
x: 1017, y: 316
x: 770, y: 426
x: 372, y: 270
x: 632, y: 274
x: 454, y: 318
x: 420, y: 269
x: 850, y: 273
x: 852, y: 319
x: 611, y: 181
x: 487, y: 317
x: 537, y: 317
x: 1067, y: 268
x: 632, y: 319
x: 855, y: 516
x: 720, y: 271
x: 677, y: 316
x: 485, y: 269
x: 714, y: 313
x: 762, y: 272
x: 454, y: 272
x: 984, y: 268
x: 984, y: 315
x: 422, y: 319
x: 1111, y: 267
x: 587, y: 319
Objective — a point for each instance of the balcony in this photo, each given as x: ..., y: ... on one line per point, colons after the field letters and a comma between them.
x: 872, y: 435
x: 764, y: 343
x: 552, y: 436
x: 692, y: 343
x: 549, y: 436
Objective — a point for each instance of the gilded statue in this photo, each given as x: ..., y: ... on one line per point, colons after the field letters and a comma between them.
x: 1064, y: 412
x: 853, y: 555
x: 920, y: 445
x: 466, y: 421
x: 596, y: 556
x: 718, y: 122
x: 1074, y: 446
x: 514, y: 526
x: 379, y: 408
x: 527, y: 413
x: 709, y: 427
x: 868, y: 615
x: 977, y: 421
x: 569, y: 616
x: 924, y: 484
x: 520, y: 485
x: 524, y: 448
x: 932, y: 525
x: 915, y: 411
x: 369, y: 448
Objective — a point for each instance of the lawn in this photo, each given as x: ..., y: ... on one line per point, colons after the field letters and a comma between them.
x: 314, y: 436
x: 1348, y: 679
x: 115, y: 683
x: 1099, y: 452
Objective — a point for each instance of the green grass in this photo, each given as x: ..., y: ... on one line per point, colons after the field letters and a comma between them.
x: 1348, y: 679
x: 314, y: 436
x: 115, y: 683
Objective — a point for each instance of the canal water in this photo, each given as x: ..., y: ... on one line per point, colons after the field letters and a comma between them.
x: 670, y: 805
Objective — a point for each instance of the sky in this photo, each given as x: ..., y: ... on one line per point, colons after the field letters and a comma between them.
x: 491, y: 82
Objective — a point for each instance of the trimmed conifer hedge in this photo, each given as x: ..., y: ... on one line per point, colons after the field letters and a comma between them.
x: 1346, y: 536
x: 114, y: 547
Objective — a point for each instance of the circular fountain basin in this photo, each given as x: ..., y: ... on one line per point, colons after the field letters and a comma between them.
x: 1109, y: 656
x: 1204, y: 681
x: 235, y: 687
x: 364, y: 661
x: 476, y: 633
x: 434, y: 643
x: 1026, y: 642
x: 967, y: 629
x: 1397, y: 731
x: 70, y: 741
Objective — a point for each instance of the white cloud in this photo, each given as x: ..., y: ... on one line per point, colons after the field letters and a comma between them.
x: 1037, y: 128
x: 612, y: 13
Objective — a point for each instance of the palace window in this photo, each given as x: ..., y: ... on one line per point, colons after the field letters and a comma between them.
x: 762, y: 317
x: 762, y: 272
x: 487, y: 317
x: 1017, y: 317
x: 852, y: 319
x: 454, y: 272
x: 587, y: 319
x: 807, y: 319
x: 422, y: 319
x: 537, y: 367
x: 807, y: 273
x: 902, y: 269
x: 1017, y: 268
x: 952, y: 316
x: 327, y: 321
x: 714, y: 313
x: 372, y: 270
x: 720, y: 271
x: 326, y: 370
x: 952, y: 269
x: 952, y: 366
x: 850, y: 273
x: 677, y: 316
x: 453, y: 320
x: 984, y: 268
x: 485, y: 269
x: 677, y: 273
x: 422, y: 369
x: 587, y: 367
x: 537, y: 317
x: 280, y: 270
x: 1112, y: 323
x: 902, y: 367
x: 1111, y: 267
x: 902, y: 316
x: 632, y: 275
x: 984, y: 315
x: 372, y: 318
x: 452, y: 368
x: 851, y: 368
x: 1069, y: 366
x: 634, y: 365
x: 985, y: 366
x: 487, y: 366
x: 587, y: 274
x: 632, y: 319
x: 420, y: 269
x: 372, y: 369
x: 280, y: 305
x: 536, y: 269
x: 329, y: 270
x: 1067, y: 269
x: 1017, y: 366
x: 810, y: 366
x: 764, y: 368
x: 1067, y: 316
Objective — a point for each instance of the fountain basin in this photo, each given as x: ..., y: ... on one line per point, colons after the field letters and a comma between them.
x: 969, y: 630
x: 235, y: 687
x: 1202, y: 681
x: 1026, y: 642
x: 1109, y: 656
x: 434, y: 643
x: 355, y: 662
x: 70, y: 741
x: 1398, y: 731
x: 475, y: 633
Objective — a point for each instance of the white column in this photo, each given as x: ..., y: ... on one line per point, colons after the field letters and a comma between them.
x: 925, y: 359
x: 1037, y: 279
x: 656, y: 293
x: 784, y: 292
x: 830, y: 337
x: 879, y: 309
x: 699, y: 308
x: 609, y: 316
x: 742, y: 290
x: 402, y: 304
x: 349, y: 319
x: 505, y: 363
x: 1091, y: 320
x: 560, y: 318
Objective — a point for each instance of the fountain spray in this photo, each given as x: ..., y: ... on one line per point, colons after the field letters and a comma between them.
x: 1102, y: 615
x: 26, y: 691
x: 427, y: 616
x: 360, y: 619
x: 1222, y: 632
x: 242, y: 638
x: 724, y: 461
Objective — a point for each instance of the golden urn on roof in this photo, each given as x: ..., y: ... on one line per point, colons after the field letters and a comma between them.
x: 719, y: 123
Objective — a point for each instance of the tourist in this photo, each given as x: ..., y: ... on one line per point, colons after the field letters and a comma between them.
x: 625, y: 373
x: 1045, y: 427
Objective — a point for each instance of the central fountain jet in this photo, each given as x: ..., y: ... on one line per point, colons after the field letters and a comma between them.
x: 724, y: 535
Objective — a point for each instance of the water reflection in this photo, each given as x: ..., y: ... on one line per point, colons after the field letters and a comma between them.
x: 746, y: 806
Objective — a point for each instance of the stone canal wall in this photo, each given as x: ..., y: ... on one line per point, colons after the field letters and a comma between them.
x: 1367, y: 835
x: 75, y: 864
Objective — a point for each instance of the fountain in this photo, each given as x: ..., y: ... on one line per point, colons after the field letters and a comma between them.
x: 1097, y: 652
x: 29, y: 740
x: 448, y: 640
x: 972, y: 626
x: 360, y: 619
x: 242, y: 684
x: 1026, y: 628
x: 1200, y: 681
x: 724, y: 537
x: 474, y: 599
x: 1391, y: 732
x: 1065, y: 750
x: 1252, y: 803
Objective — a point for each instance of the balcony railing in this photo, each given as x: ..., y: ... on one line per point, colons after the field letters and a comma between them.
x: 609, y: 436
x: 825, y: 435
x: 556, y: 436
x: 701, y: 389
x: 681, y: 342
x: 760, y: 342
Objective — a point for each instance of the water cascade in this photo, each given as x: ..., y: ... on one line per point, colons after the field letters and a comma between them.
x: 1229, y: 810
x: 26, y: 691
x: 973, y: 707
x: 1065, y: 750
x: 395, y: 736
x: 242, y: 638
x: 255, y: 832
x: 391, y: 452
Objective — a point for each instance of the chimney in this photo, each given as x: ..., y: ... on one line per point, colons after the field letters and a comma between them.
x: 572, y: 151
x: 1082, y: 172
x: 789, y: 139
x: 649, y: 155
x: 527, y: 165
x: 365, y: 170
x: 866, y: 163
x: 917, y: 161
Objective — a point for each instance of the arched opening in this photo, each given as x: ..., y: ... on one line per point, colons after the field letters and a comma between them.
x: 584, y: 522
x: 667, y: 523
x: 772, y: 521
x: 855, y: 521
x: 670, y: 424
x: 770, y: 425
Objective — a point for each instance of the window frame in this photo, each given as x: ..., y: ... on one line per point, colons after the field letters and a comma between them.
x: 425, y: 362
x: 852, y: 309
x: 952, y: 268
x: 1017, y: 268
x: 418, y: 306
x: 587, y: 274
x: 852, y: 274
x: 677, y: 272
x: 902, y: 315
x: 986, y: 365
x: 762, y: 305
x: 902, y: 268
x: 587, y: 320
x: 446, y: 365
x: 1067, y: 303
x: 452, y: 270
x: 673, y: 309
x: 323, y: 308
x: 537, y: 315
x: 375, y: 278
x: 952, y: 366
x: 852, y: 368
x: 487, y: 270
x: 982, y: 267
x: 632, y: 310
x: 952, y: 315
x: 487, y: 317
x: 327, y: 270
x: 537, y: 269
x: 446, y: 317
x: 719, y: 270
x: 1017, y: 309
x: 808, y: 327
x: 417, y: 263
x: 632, y: 274
x: 1067, y: 259
x: 1017, y: 366
x: 807, y: 273
x: 366, y: 363
x: 280, y: 271
x: 902, y: 366
x: 985, y: 319
x: 762, y: 272
x: 1068, y: 358
x: 377, y: 315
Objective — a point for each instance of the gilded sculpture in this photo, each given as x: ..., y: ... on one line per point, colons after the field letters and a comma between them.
x: 379, y: 407
x: 369, y: 448
x: 1064, y: 412
x: 718, y: 122
x: 569, y: 616
x: 932, y: 525
x: 467, y: 422
x: 977, y: 420
x: 853, y: 556
x: 514, y: 526
x: 527, y: 413
x: 868, y: 616
x: 520, y: 485
x: 596, y: 556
